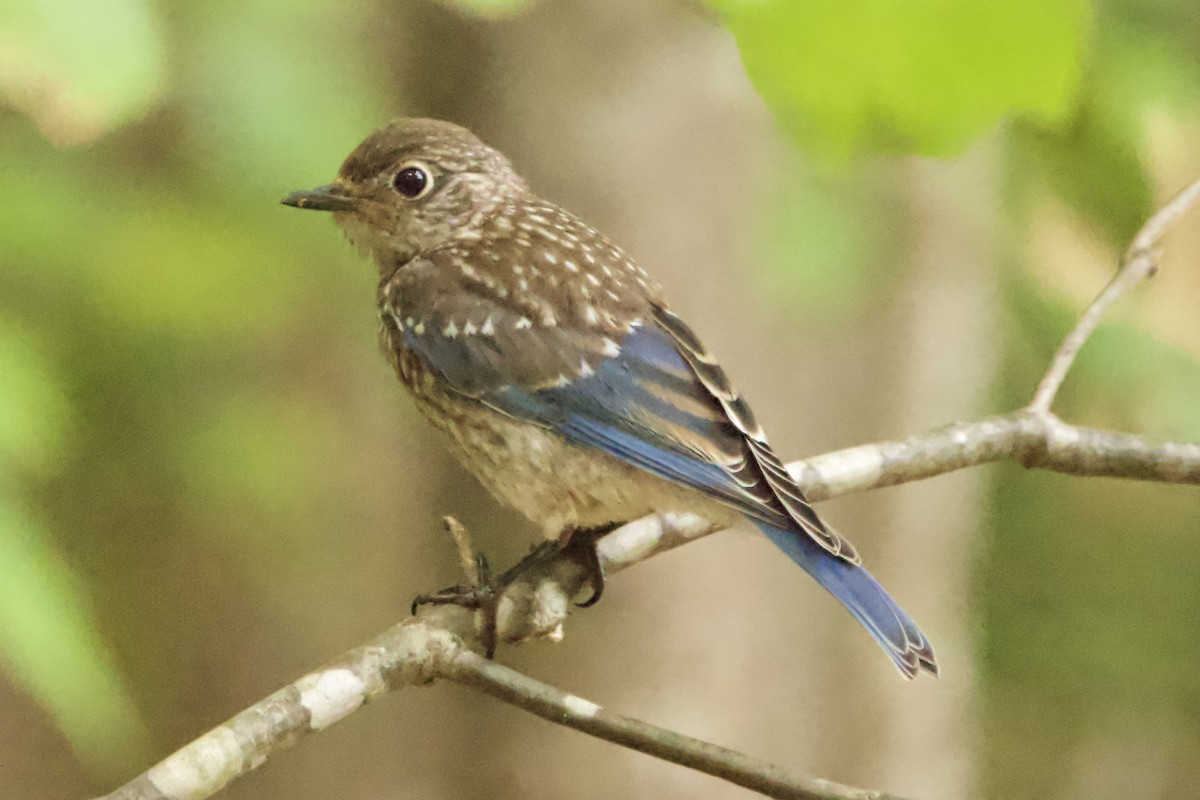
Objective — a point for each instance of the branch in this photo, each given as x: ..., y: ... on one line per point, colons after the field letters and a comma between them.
x: 415, y: 652
x: 1140, y: 262
x: 443, y: 641
x: 471, y: 669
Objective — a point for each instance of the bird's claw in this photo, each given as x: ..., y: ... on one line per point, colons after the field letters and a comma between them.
x: 580, y: 547
x: 483, y: 598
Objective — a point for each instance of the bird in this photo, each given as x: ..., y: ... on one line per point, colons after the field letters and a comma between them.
x: 559, y: 375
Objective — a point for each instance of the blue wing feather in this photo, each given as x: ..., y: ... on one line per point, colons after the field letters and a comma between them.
x: 629, y: 408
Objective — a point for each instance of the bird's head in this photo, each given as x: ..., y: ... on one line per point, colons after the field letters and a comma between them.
x: 413, y: 185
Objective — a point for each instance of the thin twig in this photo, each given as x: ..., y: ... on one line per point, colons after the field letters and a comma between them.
x: 468, y: 558
x: 1140, y: 262
x: 547, y: 702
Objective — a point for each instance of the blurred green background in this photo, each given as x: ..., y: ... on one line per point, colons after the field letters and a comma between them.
x: 883, y: 216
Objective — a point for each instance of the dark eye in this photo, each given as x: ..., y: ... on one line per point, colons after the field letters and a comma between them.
x: 412, y: 181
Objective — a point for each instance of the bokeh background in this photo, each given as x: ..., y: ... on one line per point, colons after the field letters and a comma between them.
x: 883, y: 219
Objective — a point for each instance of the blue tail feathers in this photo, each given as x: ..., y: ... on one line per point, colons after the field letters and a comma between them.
x: 863, y: 597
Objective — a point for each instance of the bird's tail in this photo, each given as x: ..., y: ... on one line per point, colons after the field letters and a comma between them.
x: 862, y: 595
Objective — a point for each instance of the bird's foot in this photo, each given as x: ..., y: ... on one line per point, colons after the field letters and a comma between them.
x: 483, y: 597
x: 576, y: 544
x: 579, y: 544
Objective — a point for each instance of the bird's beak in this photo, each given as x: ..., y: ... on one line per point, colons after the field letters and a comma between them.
x: 330, y: 197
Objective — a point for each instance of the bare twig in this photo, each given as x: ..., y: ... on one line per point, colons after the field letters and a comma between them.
x: 468, y: 559
x: 1140, y: 262
x: 442, y: 641
x: 471, y: 669
x: 416, y: 652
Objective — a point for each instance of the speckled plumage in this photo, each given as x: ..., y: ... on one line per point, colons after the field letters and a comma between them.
x: 552, y: 363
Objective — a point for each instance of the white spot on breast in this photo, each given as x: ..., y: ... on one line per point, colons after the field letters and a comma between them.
x: 469, y: 328
x: 450, y: 331
x: 488, y: 328
x: 590, y: 315
x: 585, y: 369
x: 523, y: 324
x: 610, y: 348
x: 523, y: 285
x: 571, y: 265
x: 419, y: 328
x: 550, y: 257
x: 592, y: 279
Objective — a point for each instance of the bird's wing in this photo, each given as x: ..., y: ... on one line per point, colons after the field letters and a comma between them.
x: 773, y: 485
x: 652, y: 397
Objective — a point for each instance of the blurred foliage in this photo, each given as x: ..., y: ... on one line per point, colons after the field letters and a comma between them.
x: 80, y: 69
x: 848, y: 76
x: 34, y: 412
x: 1086, y: 582
x: 50, y: 645
x: 489, y: 8
x: 160, y: 253
x: 807, y: 241
x: 48, y: 642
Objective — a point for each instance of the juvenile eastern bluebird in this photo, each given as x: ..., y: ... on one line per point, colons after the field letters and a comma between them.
x: 553, y: 365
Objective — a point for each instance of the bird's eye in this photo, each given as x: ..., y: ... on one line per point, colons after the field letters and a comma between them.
x: 413, y: 181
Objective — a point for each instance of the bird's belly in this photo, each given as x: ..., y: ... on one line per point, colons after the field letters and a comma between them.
x: 553, y: 482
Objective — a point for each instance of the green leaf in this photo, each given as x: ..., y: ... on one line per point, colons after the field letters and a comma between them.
x: 50, y: 647
x: 48, y: 642
x: 1093, y: 164
x: 78, y: 68
x: 923, y: 76
x: 33, y: 409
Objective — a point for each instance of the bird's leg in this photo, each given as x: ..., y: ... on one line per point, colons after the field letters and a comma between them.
x: 579, y: 544
x: 467, y: 595
x: 482, y: 596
